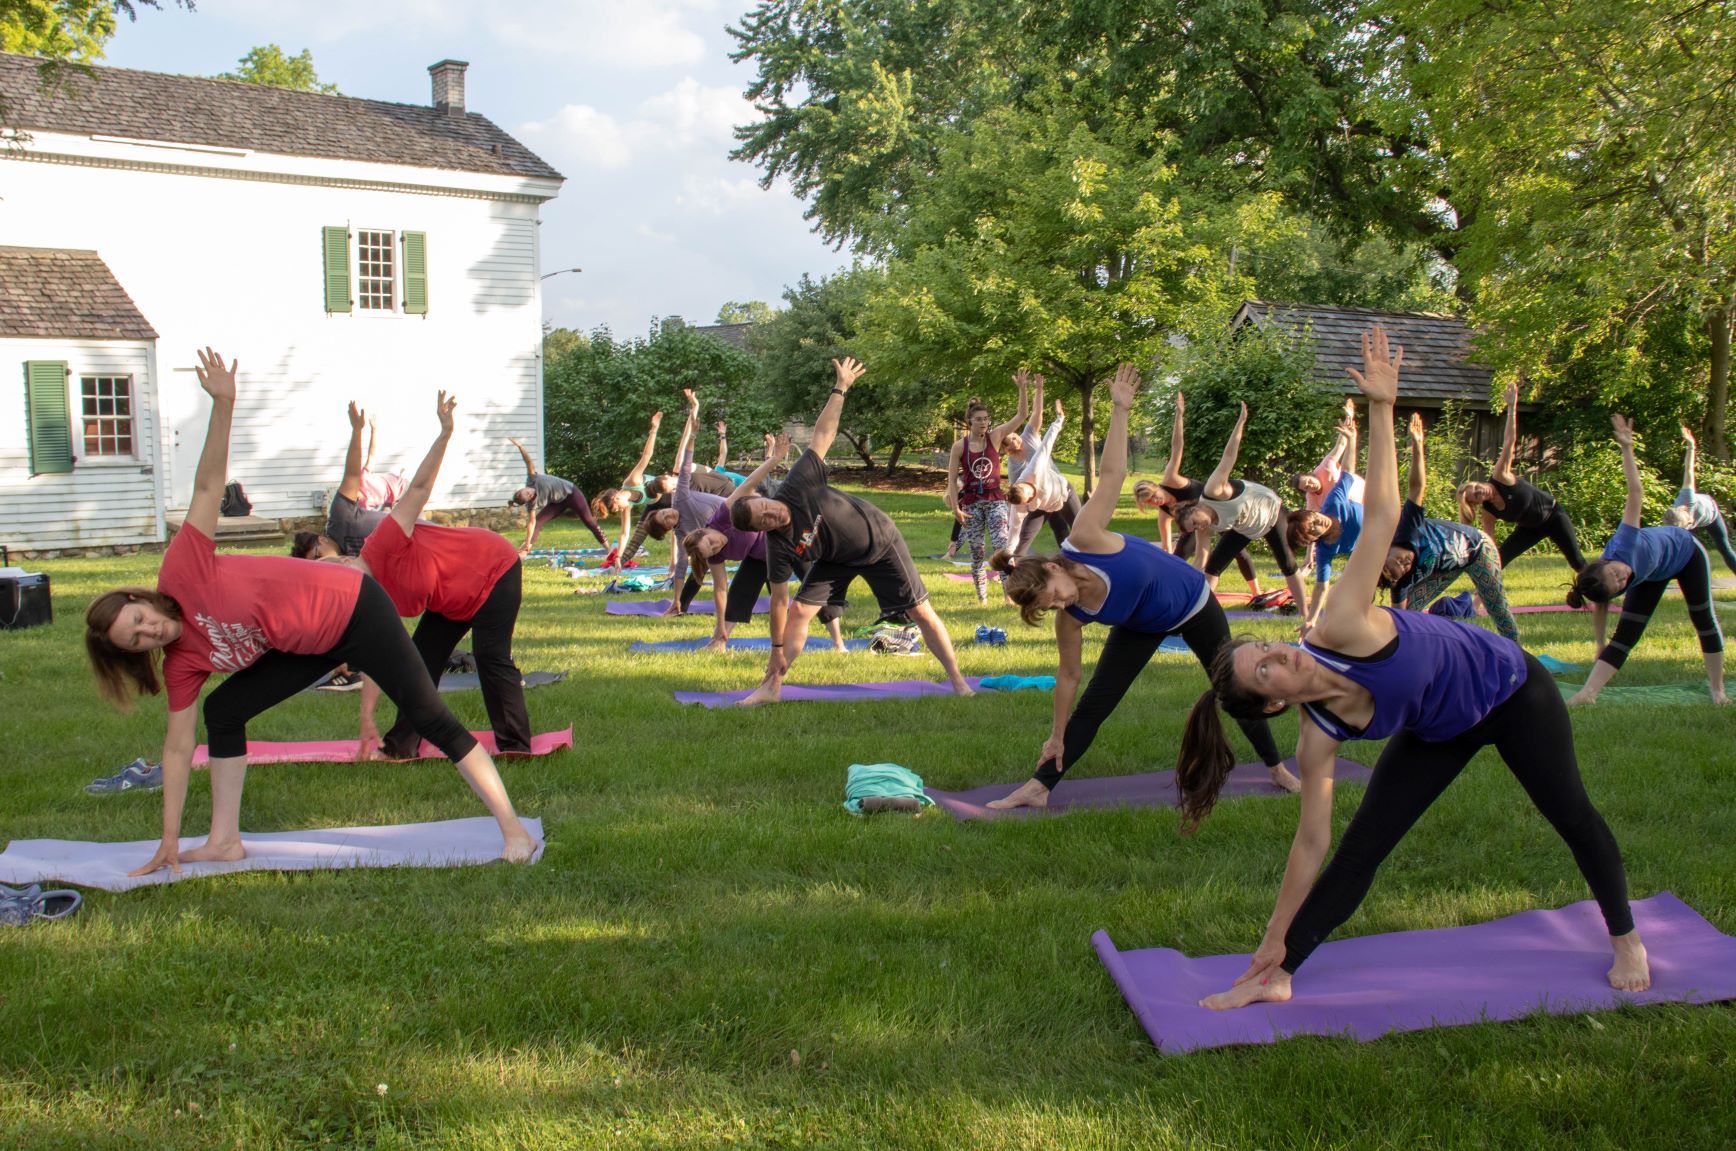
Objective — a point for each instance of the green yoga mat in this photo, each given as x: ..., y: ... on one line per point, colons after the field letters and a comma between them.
x: 1649, y: 695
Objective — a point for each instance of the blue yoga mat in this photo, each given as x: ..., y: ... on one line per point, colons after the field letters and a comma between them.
x: 759, y: 643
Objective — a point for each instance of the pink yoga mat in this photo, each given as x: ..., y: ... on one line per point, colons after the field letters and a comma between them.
x: 1150, y: 789
x: 1552, y: 961
x: 344, y: 750
x: 659, y: 606
x: 1522, y: 609
x: 839, y: 692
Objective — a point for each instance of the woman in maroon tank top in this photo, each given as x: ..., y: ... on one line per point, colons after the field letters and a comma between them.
x: 973, y: 484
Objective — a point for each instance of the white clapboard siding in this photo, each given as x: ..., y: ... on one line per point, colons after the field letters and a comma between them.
x: 103, y: 501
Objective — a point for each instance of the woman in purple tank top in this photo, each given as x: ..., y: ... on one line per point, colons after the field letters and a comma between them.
x: 1442, y: 690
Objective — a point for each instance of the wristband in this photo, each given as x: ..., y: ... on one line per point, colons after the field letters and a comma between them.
x: 837, y: 391
x: 777, y: 645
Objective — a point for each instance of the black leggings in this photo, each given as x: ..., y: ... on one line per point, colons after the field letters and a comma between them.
x: 1230, y: 546
x: 751, y: 580
x: 1641, y: 600
x: 1060, y: 525
x: 1189, y: 541
x: 575, y: 504
x: 1125, y: 654
x: 1720, y: 533
x: 1534, y: 737
x: 491, y: 640
x: 1556, y: 528
x: 375, y: 642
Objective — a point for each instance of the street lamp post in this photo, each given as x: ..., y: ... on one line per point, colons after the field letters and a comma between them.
x: 561, y: 271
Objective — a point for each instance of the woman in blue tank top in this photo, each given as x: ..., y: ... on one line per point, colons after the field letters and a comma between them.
x: 1141, y: 591
x: 1442, y: 690
x: 1637, y: 565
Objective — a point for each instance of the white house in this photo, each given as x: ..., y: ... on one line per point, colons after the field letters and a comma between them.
x: 340, y: 248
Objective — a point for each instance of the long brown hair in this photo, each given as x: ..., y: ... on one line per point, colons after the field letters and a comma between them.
x: 1462, y: 497
x: 1024, y: 579
x: 600, y: 503
x: 1205, y: 758
x: 1597, y: 583
x: 120, y: 673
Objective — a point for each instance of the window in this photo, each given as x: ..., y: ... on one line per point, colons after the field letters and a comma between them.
x: 376, y: 286
x: 107, y: 411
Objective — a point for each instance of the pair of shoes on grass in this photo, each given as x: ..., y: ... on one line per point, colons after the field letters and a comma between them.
x: 135, y: 776
x: 21, y: 907
x: 343, y: 681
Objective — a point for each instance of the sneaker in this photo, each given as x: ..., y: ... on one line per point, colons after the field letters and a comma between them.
x: 135, y: 776
x: 19, y: 907
x: 461, y: 662
x: 991, y: 635
x: 342, y: 682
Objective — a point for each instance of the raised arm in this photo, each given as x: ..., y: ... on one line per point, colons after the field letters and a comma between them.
x: 415, y: 497
x: 373, y: 440
x: 206, y: 506
x: 1172, y: 476
x: 1636, y: 492
x: 1688, y: 459
x: 1349, y: 458
x: 845, y: 372
x: 1503, y: 470
x: 351, y: 485
x: 1034, y: 423
x: 999, y: 433
x: 637, y: 475
x: 1349, y: 604
x: 1047, y: 449
x: 529, y: 460
x: 777, y: 448
x: 684, y: 447
x: 1419, y: 469
x: 1091, y: 527
x: 722, y: 446
x: 1218, y: 483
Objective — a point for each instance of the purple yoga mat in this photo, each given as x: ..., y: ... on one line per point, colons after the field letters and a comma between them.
x: 1150, y: 789
x: 837, y: 692
x: 1446, y: 977
x: 659, y: 606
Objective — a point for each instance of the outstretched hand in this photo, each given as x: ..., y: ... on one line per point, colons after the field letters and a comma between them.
x: 1059, y: 410
x: 357, y: 416
x: 1180, y: 404
x: 443, y: 408
x: 1688, y: 435
x: 656, y: 419
x: 1242, y: 417
x: 1124, y: 386
x: 1511, y: 395
x: 722, y: 429
x: 1378, y: 378
x: 848, y: 370
x: 1416, y: 427
x: 780, y: 447
x: 692, y: 400
x: 1349, y: 412
x: 218, y: 379
x: 1624, y: 430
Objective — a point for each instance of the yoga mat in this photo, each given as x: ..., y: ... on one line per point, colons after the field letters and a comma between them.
x: 837, y: 692
x: 1557, y: 666
x: 1149, y: 789
x: 448, y: 843
x: 1525, y: 608
x: 1363, y: 988
x: 344, y: 750
x: 761, y: 643
x: 656, y: 607
x: 1257, y: 615
x: 966, y: 577
x: 1650, y: 694
x: 470, y: 681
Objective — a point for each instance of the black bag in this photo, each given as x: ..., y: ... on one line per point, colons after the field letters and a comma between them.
x: 235, y: 501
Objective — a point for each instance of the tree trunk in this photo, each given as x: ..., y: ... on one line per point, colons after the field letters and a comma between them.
x: 1718, y: 393
x: 861, y: 446
x: 1088, y: 434
x: 892, y: 462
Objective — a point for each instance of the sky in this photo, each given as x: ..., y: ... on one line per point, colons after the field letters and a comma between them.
x: 633, y: 101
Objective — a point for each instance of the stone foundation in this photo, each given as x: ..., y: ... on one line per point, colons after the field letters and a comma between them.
x: 507, y: 521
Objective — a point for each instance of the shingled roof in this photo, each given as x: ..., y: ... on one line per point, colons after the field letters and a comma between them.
x: 735, y: 335
x: 232, y: 114
x: 60, y: 292
x: 1437, y: 348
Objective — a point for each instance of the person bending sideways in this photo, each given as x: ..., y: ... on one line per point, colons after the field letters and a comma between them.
x: 1035, y: 484
x: 274, y: 625
x: 1636, y: 567
x: 1437, y: 690
x: 1140, y: 591
x: 1534, y: 513
x: 360, y: 503
x: 1695, y: 511
x: 545, y: 498
x: 841, y: 537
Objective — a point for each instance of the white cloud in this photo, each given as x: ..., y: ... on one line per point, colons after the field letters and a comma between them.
x: 619, y: 33
x: 592, y: 139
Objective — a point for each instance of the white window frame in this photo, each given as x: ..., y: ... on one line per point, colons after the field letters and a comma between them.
x: 394, y: 294
x: 83, y: 458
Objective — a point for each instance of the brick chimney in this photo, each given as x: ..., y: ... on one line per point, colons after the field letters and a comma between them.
x: 449, y: 86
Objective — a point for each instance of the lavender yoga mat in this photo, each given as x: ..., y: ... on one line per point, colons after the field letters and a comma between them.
x: 345, y: 750
x: 1407, y: 981
x: 1149, y: 789
x: 655, y: 607
x: 836, y: 692
x: 818, y: 643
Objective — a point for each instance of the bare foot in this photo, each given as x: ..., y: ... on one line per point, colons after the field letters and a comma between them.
x: 519, y: 846
x: 839, y: 646
x: 768, y: 692
x: 1031, y: 794
x: 1281, y: 777
x: 716, y: 645
x: 961, y: 687
x: 1580, y: 698
x: 1274, y: 989
x: 1721, y: 699
x: 215, y: 851
x: 1631, y: 971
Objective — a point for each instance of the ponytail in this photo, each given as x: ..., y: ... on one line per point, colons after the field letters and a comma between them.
x: 1024, y: 580
x: 1466, y: 514
x: 600, y: 503
x: 1205, y: 758
x: 1595, y: 582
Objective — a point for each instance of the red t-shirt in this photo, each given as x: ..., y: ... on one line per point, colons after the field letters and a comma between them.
x: 438, y: 569
x: 234, y: 609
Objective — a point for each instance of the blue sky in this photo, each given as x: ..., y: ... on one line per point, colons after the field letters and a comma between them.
x: 632, y: 100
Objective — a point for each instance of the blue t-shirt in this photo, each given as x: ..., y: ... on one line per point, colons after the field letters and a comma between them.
x: 1441, y: 546
x: 1149, y: 589
x: 1348, y: 512
x: 1438, y: 679
x: 1654, y: 553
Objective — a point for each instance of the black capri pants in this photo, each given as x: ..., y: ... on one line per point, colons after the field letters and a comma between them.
x: 375, y: 642
x: 575, y: 504
x: 1188, y: 541
x: 490, y: 631
x: 752, y: 580
x: 1641, y: 600
x: 1534, y: 737
x: 1125, y: 654
x: 1231, y: 544
x: 1554, y: 527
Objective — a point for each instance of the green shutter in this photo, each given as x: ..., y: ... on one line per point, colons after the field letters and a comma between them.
x: 416, y: 273
x: 50, y: 423
x: 337, y: 268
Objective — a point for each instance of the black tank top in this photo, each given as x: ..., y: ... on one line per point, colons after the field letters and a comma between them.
x: 1527, y: 504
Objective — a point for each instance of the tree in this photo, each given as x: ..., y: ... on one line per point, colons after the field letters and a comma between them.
x: 751, y: 312
x: 63, y: 32
x: 269, y: 66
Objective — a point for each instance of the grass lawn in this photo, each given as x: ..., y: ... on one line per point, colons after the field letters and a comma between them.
x: 711, y: 953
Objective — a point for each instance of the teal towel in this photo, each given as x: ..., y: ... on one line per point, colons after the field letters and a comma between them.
x: 1556, y: 666
x: 1019, y: 682
x: 888, y: 779
x: 636, y: 583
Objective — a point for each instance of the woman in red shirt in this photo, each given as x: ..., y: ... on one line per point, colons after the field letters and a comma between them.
x: 458, y: 580
x: 277, y: 625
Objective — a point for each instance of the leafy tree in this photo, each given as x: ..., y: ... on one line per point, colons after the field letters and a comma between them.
x: 267, y: 65
x: 599, y: 393
x: 751, y: 312
x: 63, y: 32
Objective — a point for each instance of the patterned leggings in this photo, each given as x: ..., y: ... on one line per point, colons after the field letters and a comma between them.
x: 1485, y: 573
x: 985, y: 519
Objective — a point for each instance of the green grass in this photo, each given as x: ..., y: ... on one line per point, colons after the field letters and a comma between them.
x: 705, y: 909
